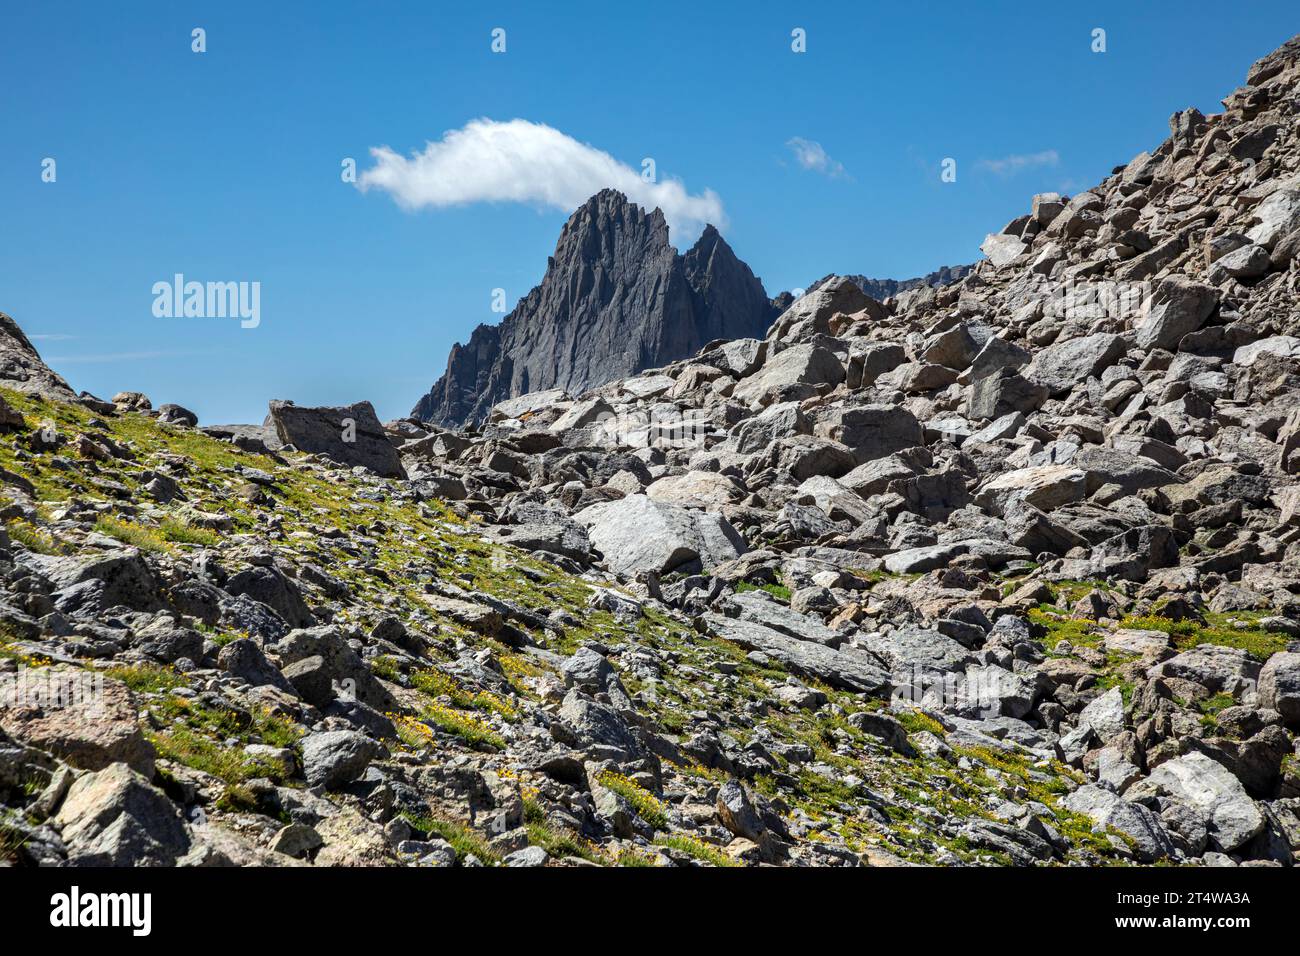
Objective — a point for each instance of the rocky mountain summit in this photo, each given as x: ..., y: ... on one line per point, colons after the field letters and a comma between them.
x: 616, y: 298
x: 1000, y: 572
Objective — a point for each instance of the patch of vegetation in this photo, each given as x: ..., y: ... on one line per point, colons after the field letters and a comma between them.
x: 230, y: 764
x: 646, y: 804
x: 413, y: 733
x: 386, y: 666
x: 778, y: 591
x: 237, y: 798
x: 916, y: 721
x: 182, y: 532
x: 435, y: 683
x: 1060, y: 628
x: 470, y: 729
x: 147, y: 678
x: 136, y: 535
x: 558, y: 843
x: 1072, y: 589
x: 33, y: 538
x: 695, y: 848
x: 1211, y: 708
x: 196, y: 736
x: 1238, y: 629
x: 462, y: 839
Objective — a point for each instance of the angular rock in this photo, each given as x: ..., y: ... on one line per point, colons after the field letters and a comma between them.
x: 637, y: 534
x: 1195, y: 779
x: 113, y: 817
x: 1064, y: 365
x: 348, y: 434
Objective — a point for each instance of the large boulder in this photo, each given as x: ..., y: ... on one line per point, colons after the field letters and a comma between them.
x: 335, y: 757
x: 1151, y: 841
x: 244, y: 659
x: 90, y: 584
x: 1045, y: 487
x: 1195, y: 779
x: 348, y: 434
x: 87, y: 719
x: 1178, y: 307
x: 1110, y: 466
x: 849, y: 669
x: 797, y: 365
x: 812, y: 312
x: 696, y: 489
x: 758, y: 607
x: 320, y: 663
x: 1002, y: 249
x: 1279, y: 685
x: 115, y: 818
x: 1004, y: 392
x: 21, y: 367
x: 872, y: 431
x: 638, y: 534
x: 1275, y: 217
x: 1061, y: 367
x: 756, y: 433
x: 271, y: 587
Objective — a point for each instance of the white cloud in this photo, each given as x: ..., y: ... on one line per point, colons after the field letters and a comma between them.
x: 519, y: 161
x: 810, y: 155
x: 1009, y: 165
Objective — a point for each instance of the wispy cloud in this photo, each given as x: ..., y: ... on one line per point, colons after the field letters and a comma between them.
x: 1010, y: 165
x: 524, y: 162
x: 96, y: 358
x: 51, y: 337
x: 810, y: 155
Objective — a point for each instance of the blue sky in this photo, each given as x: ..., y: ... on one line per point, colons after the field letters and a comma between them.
x: 225, y: 165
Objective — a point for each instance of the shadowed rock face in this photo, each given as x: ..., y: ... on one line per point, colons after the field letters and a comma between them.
x: 348, y: 434
x: 617, y: 298
x: 21, y: 367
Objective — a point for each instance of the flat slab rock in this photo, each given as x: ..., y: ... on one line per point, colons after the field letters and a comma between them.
x: 849, y: 669
x: 348, y: 434
x: 637, y: 534
x: 93, y: 725
x: 761, y: 609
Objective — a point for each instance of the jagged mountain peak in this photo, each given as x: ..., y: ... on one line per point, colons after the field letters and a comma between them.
x: 617, y: 298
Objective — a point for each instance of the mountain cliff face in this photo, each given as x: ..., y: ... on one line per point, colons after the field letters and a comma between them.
x: 616, y: 298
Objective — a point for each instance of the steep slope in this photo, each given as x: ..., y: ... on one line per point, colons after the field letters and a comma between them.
x: 22, y: 368
x: 1000, y: 573
x: 616, y: 298
x: 1047, y: 513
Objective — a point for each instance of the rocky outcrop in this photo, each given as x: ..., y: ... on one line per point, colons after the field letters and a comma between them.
x: 616, y: 298
x: 882, y: 289
x: 21, y: 367
x: 348, y: 434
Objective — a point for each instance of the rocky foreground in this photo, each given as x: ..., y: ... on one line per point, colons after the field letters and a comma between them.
x: 1002, y: 572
